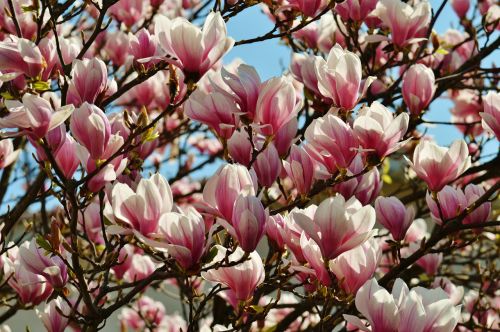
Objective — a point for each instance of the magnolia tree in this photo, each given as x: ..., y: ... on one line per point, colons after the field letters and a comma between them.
x: 332, y: 208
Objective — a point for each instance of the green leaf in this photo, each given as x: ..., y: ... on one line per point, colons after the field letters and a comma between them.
x: 43, y: 243
x: 442, y: 51
x: 41, y: 85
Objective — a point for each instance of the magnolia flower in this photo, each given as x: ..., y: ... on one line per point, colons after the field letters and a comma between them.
x: 313, y: 256
x: 35, y: 260
x: 339, y: 78
x: 308, y: 7
x: 415, y: 310
x: 451, y: 203
x: 248, y: 222
x: 480, y: 214
x: 140, y: 209
x: 242, y: 278
x: 276, y: 106
x: 89, y: 80
x: 7, y: 153
x: 182, y: 235
x: 393, y: 215
x: 55, y: 315
x: 30, y: 287
x: 143, y: 46
x: 34, y: 116
x: 418, y: 88
x: 267, y: 166
x: 437, y: 165
x: 461, y: 7
x: 356, y: 10
x: 20, y: 56
x: 215, y: 109
x: 224, y: 187
x: 378, y: 131
x: 406, y: 23
x: 90, y: 126
x: 354, y: 267
x: 110, y: 171
x: 332, y: 141
x: 337, y: 225
x: 300, y: 168
x: 245, y: 86
x: 195, y: 50
x: 491, y: 114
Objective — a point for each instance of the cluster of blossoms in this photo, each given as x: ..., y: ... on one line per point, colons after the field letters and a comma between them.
x: 135, y: 162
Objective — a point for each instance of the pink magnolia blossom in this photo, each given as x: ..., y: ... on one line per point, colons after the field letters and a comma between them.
x: 110, y: 171
x: 140, y: 209
x: 354, y: 267
x: 291, y: 231
x: 7, y: 153
x: 285, y: 137
x: 245, y: 84
x: 141, y: 267
x: 437, y: 165
x: 184, y: 235
x: 491, y: 114
x: 418, y: 88
x: 125, y: 257
x: 128, y: 11
x: 242, y: 278
x: 333, y: 141
x: 308, y: 7
x: 145, y: 310
x: 54, y: 315
x: 90, y: 222
x: 31, y: 288
x: 365, y: 187
x: 224, y: 187
x: 34, y: 116
x: 406, y: 23
x: 415, y: 310
x: 20, y: 56
x: 195, y: 50
x: 117, y: 47
x: 378, y: 131
x: 337, y: 225
x: 313, y: 256
x: 267, y: 166
x: 303, y: 69
x: 276, y: 106
x: 461, y: 7
x: 356, y: 10
x: 66, y: 157
x: 393, y: 215
x: 143, y: 46
x: 429, y: 263
x: 274, y: 230
x: 248, y: 222
x: 480, y: 214
x: 90, y: 126
x: 451, y: 203
x: 240, y: 147
x: 300, y: 168
x: 216, y: 110
x: 339, y: 78
x: 36, y: 261
x: 456, y: 293
x: 492, y: 18
x: 26, y: 21
x: 330, y: 32
x: 89, y: 81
